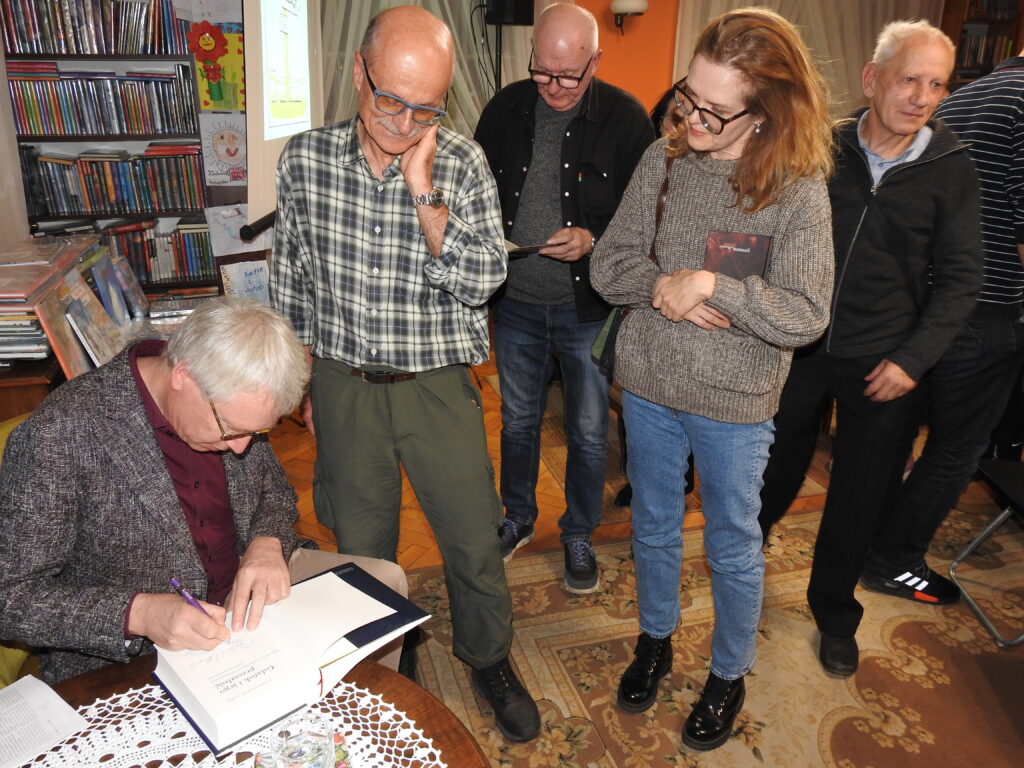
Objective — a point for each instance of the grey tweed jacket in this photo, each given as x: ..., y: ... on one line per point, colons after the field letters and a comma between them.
x: 90, y: 517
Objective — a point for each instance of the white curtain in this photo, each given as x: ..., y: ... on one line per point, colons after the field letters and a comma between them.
x: 841, y: 35
x: 473, y: 85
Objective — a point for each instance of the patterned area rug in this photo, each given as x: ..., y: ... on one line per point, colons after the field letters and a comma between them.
x: 933, y: 689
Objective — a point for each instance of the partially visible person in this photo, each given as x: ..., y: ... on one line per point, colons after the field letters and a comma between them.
x: 562, y: 146
x: 155, y: 466
x: 702, y: 356
x: 967, y: 390
x: 387, y: 247
x: 908, y: 266
x: 666, y: 116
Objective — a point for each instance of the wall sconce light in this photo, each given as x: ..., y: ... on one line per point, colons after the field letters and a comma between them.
x: 623, y: 8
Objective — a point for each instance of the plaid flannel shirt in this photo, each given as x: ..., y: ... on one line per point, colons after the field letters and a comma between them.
x: 351, y: 268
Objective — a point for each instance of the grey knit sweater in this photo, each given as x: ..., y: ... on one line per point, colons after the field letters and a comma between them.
x: 732, y: 375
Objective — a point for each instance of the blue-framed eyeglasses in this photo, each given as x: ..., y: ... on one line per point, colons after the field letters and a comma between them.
x: 390, y: 104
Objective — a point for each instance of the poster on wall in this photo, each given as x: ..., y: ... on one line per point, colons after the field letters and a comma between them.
x: 226, y: 222
x: 220, y: 64
x: 286, y: 86
x: 224, y: 156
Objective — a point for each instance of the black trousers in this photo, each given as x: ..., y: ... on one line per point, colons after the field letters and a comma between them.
x: 865, y: 474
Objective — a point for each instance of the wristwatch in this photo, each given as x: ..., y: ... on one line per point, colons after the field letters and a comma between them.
x: 434, y: 198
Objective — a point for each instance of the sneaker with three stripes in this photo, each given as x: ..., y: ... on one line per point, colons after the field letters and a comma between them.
x: 920, y: 584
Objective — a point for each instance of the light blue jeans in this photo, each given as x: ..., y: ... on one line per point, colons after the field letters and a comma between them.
x: 730, y: 459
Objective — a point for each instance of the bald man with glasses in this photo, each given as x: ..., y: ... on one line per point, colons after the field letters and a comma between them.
x: 388, y: 246
x: 562, y: 146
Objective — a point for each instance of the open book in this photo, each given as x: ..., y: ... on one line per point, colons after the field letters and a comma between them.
x: 302, y: 648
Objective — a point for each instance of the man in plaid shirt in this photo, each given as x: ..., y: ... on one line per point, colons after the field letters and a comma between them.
x: 388, y: 246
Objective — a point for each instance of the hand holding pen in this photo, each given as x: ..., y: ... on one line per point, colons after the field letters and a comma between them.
x: 173, y: 622
x: 185, y: 594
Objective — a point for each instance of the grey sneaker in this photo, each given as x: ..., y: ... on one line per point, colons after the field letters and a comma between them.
x: 580, y: 567
x: 512, y: 536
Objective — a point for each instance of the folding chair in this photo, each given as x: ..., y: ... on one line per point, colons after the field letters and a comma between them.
x: 1006, y: 478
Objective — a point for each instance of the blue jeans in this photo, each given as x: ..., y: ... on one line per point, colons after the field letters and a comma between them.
x: 730, y: 460
x: 527, y: 339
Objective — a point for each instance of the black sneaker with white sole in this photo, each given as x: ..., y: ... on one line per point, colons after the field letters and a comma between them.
x: 512, y: 535
x: 920, y: 584
x: 581, y: 576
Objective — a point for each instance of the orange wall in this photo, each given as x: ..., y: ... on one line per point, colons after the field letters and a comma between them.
x: 639, y: 61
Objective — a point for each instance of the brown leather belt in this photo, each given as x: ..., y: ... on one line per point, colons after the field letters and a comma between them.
x: 381, y: 377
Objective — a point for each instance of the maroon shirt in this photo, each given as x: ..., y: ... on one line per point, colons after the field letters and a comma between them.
x: 201, y: 485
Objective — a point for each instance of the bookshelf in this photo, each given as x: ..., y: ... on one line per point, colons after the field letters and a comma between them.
x: 103, y: 96
x: 985, y: 32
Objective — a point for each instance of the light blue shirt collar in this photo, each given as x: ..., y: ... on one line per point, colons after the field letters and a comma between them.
x: 880, y: 165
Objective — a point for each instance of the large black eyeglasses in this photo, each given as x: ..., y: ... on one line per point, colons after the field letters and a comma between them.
x: 541, y: 77
x: 390, y: 104
x: 713, y: 123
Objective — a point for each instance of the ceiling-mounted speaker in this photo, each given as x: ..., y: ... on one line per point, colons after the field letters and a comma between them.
x: 509, y: 12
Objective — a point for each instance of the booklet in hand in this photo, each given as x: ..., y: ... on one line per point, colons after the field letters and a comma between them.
x: 737, y: 254
x: 302, y: 648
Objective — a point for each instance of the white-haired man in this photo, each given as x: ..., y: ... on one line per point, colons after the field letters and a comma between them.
x: 908, y: 267
x: 154, y: 466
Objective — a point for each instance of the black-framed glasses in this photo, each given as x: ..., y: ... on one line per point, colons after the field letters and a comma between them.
x: 390, y: 104
x: 224, y: 436
x: 713, y: 123
x: 569, y: 82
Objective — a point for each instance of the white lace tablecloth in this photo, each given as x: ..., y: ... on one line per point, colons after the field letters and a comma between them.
x: 142, y: 727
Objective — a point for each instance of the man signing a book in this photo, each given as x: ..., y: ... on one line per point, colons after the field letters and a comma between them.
x: 152, y: 467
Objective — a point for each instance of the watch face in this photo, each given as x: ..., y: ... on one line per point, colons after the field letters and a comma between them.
x: 435, y: 197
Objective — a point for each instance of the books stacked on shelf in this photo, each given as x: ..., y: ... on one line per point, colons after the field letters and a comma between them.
x: 29, y: 271
x: 165, y: 178
x: 22, y: 338
x: 164, y: 251
x: 981, y: 47
x: 139, y: 27
x: 50, y: 102
x: 992, y: 10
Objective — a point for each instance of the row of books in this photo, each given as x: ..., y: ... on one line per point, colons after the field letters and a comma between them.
x: 181, y: 255
x: 165, y: 178
x: 48, y: 102
x: 992, y: 10
x: 111, y: 27
x: 980, y: 49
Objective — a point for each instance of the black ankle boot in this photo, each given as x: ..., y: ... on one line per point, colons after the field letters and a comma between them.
x: 710, y: 723
x: 515, y: 712
x: 652, y: 660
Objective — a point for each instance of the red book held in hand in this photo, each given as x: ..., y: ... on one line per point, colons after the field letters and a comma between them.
x: 737, y: 254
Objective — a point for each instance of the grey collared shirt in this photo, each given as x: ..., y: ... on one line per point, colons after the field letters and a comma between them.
x: 878, y: 164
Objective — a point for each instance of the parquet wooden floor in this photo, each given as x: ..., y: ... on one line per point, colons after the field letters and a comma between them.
x: 417, y: 548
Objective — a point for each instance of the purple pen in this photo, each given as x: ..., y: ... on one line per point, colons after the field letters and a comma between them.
x: 185, y: 595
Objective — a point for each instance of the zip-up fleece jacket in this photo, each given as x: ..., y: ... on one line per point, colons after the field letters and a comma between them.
x: 908, y: 251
